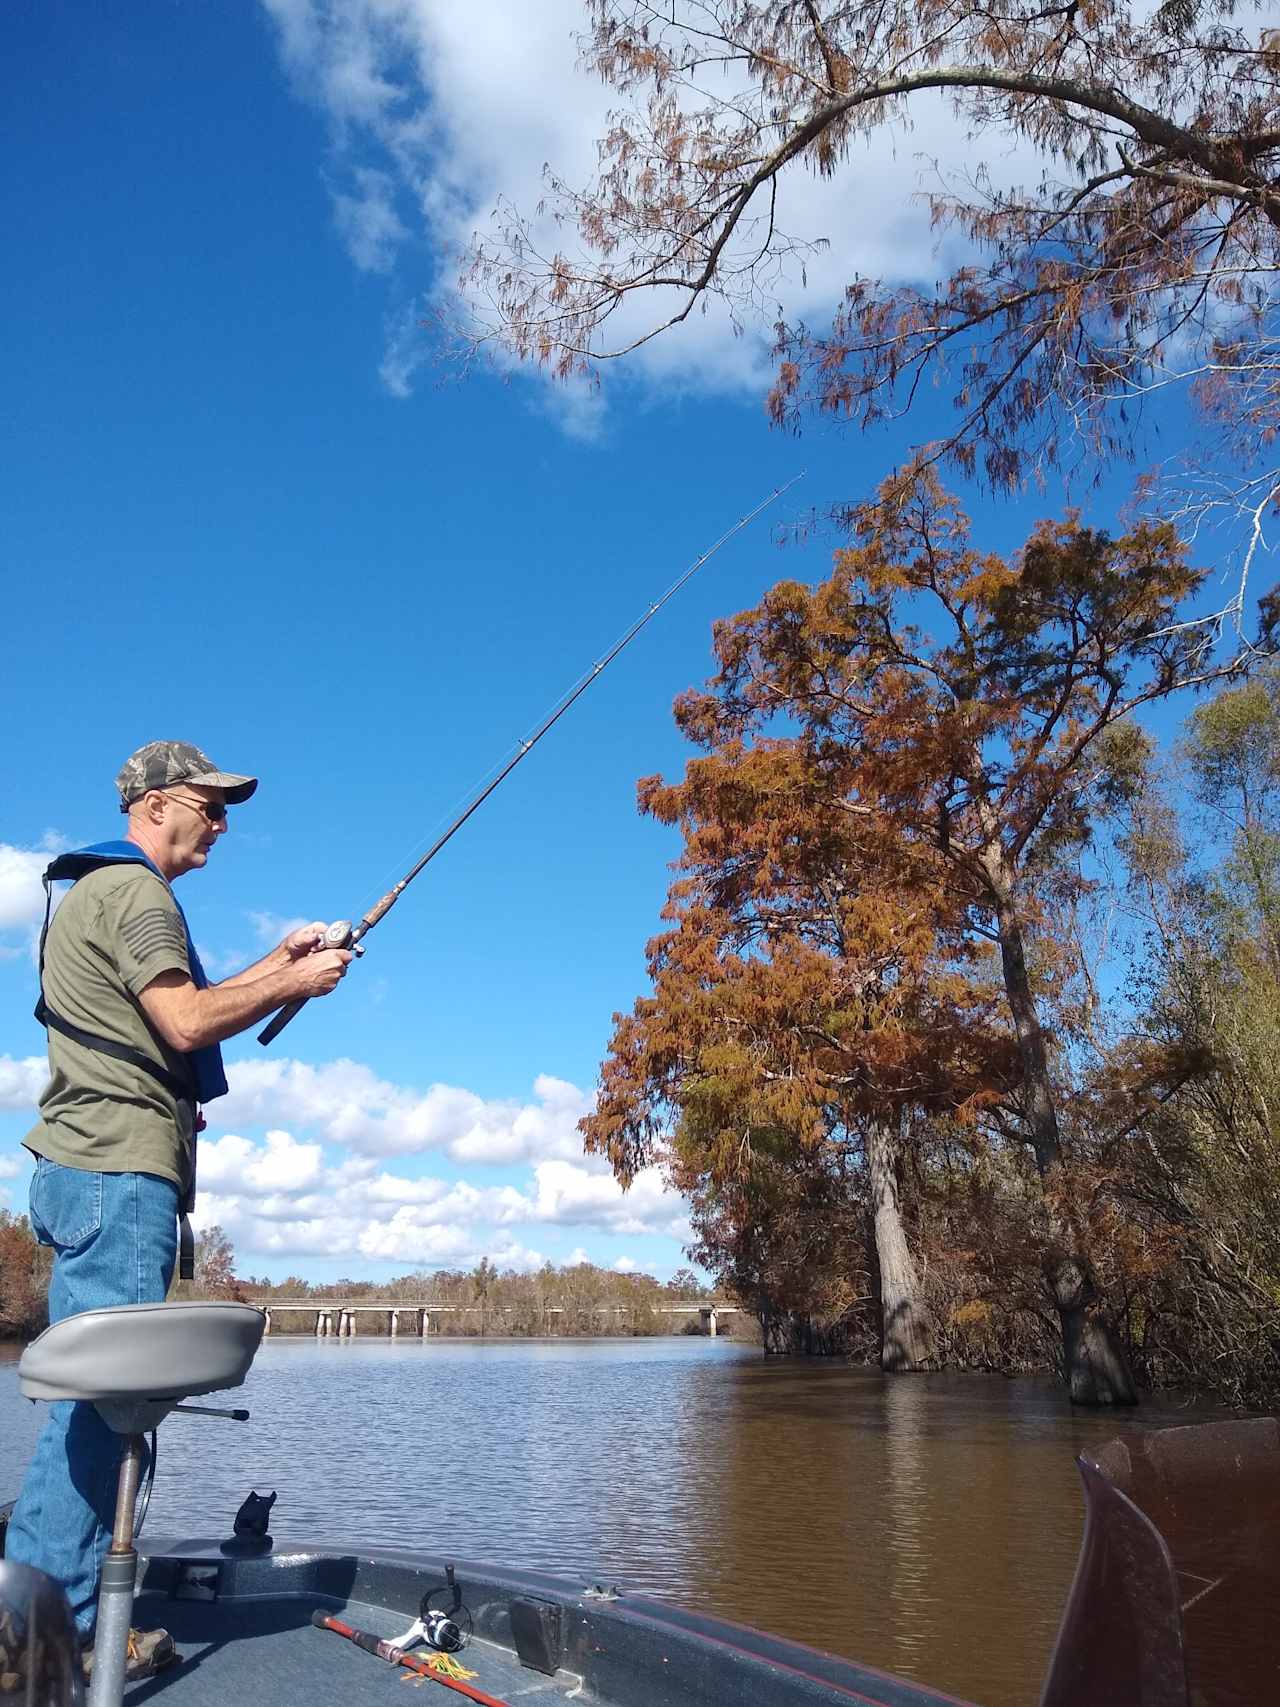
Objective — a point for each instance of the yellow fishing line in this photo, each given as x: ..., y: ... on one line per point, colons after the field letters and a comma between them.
x: 447, y: 1666
x: 444, y: 1664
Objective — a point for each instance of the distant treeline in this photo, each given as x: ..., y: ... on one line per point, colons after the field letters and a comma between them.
x: 575, y: 1300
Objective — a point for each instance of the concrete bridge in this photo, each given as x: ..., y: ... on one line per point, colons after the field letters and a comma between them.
x: 335, y: 1317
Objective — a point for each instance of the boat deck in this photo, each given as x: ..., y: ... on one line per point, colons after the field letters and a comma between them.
x: 269, y: 1652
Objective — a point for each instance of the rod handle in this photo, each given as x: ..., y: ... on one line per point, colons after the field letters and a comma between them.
x: 276, y: 1025
x: 362, y: 1638
x: 338, y: 935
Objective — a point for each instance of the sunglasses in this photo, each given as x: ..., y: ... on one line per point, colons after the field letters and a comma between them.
x: 214, y: 812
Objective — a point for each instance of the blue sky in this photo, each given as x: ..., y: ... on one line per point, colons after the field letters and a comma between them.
x: 243, y: 508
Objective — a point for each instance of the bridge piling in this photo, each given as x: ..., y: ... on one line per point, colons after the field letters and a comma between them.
x: 552, y: 1316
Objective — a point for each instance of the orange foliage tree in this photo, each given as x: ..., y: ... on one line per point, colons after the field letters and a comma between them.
x: 950, y: 704
x: 24, y: 1278
x: 817, y: 986
x: 215, y: 1265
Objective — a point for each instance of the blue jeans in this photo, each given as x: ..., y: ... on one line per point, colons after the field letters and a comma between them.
x: 115, y: 1239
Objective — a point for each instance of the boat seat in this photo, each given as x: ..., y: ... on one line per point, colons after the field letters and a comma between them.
x: 136, y: 1359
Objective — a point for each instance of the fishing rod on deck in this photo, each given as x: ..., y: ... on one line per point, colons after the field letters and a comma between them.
x: 343, y: 934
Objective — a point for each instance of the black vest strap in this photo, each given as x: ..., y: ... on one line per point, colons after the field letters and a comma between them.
x: 182, y: 1089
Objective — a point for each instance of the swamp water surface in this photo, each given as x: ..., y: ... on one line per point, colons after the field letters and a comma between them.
x: 928, y: 1525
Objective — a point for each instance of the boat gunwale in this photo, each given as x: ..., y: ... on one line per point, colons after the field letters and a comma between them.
x: 645, y: 1615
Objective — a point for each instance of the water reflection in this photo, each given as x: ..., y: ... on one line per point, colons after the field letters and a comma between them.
x: 927, y: 1525
x: 910, y: 1515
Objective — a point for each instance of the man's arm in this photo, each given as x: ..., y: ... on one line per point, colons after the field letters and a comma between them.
x: 188, y: 1018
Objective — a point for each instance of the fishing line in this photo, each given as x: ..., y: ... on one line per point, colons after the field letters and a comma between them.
x: 342, y: 934
x: 578, y: 686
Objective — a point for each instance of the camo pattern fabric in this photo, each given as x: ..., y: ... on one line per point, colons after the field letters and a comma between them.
x: 161, y: 764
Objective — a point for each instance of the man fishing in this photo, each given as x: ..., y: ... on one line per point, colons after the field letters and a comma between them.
x: 134, y: 1027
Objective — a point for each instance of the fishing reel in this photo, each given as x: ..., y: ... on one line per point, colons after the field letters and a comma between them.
x: 444, y: 1631
x: 338, y: 935
x: 440, y: 1631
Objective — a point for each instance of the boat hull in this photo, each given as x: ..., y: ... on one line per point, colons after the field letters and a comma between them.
x: 242, y: 1619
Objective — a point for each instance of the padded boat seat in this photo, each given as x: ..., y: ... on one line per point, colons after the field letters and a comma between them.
x: 142, y: 1352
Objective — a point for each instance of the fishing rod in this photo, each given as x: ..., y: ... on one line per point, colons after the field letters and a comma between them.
x: 398, y: 1657
x: 343, y: 934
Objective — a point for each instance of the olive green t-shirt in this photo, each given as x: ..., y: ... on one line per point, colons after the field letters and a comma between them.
x: 117, y: 929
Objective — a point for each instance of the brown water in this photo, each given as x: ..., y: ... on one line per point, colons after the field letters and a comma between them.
x: 926, y: 1525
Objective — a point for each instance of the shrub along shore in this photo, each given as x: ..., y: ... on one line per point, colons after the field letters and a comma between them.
x: 576, y: 1301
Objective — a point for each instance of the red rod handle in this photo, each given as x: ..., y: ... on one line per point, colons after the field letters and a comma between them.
x: 397, y: 1656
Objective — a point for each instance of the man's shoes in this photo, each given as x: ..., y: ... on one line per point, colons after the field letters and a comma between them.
x: 148, y: 1651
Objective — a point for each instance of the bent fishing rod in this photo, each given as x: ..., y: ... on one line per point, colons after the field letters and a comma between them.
x: 343, y: 934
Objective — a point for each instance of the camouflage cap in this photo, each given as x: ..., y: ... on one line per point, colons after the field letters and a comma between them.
x: 160, y: 764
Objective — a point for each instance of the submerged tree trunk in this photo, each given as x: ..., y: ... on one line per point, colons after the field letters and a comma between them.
x: 907, y: 1338
x: 1096, y: 1368
x: 789, y: 1333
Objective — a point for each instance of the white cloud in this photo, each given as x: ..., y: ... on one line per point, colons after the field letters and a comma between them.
x: 282, y: 1179
x: 22, y: 1080
x: 455, y: 108
x: 310, y: 1227
x: 272, y: 928
x: 280, y: 1197
x: 625, y: 1265
x: 367, y: 220
x: 406, y: 350
x: 573, y: 1195
x: 21, y: 891
x: 404, y: 1240
x: 347, y: 1103
x: 279, y: 1164
x: 319, y: 1182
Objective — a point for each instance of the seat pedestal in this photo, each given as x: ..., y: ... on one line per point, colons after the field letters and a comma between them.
x: 115, y: 1593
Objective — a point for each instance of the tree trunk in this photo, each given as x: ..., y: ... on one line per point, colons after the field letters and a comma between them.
x: 1096, y: 1368
x: 906, y: 1329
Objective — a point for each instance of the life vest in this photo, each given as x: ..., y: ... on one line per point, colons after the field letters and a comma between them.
x: 204, y: 1077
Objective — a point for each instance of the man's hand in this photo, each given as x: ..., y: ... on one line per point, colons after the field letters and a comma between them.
x: 303, y: 940
x: 317, y: 973
x: 299, y: 945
